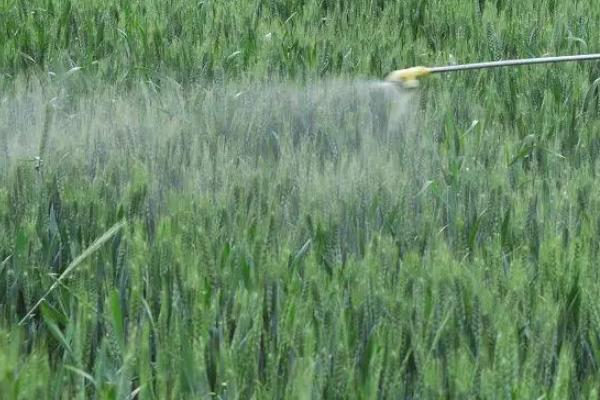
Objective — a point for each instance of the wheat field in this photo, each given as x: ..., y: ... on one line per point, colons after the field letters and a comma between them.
x: 221, y: 199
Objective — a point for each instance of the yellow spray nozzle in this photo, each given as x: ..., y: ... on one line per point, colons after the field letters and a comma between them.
x: 408, y: 77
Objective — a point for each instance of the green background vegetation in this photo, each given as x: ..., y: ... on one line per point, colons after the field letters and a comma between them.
x: 277, y: 249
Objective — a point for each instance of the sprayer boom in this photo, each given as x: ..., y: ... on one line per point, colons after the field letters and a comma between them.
x: 409, y: 76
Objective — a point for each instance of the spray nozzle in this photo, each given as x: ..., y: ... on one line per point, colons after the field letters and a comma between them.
x: 408, y: 77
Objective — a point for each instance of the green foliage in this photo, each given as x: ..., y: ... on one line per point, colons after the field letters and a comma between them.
x: 191, y: 206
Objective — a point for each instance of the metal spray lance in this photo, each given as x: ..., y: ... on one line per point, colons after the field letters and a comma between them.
x: 409, y: 77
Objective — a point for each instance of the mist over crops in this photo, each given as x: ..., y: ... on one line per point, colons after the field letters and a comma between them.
x: 340, y: 109
x: 223, y: 199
